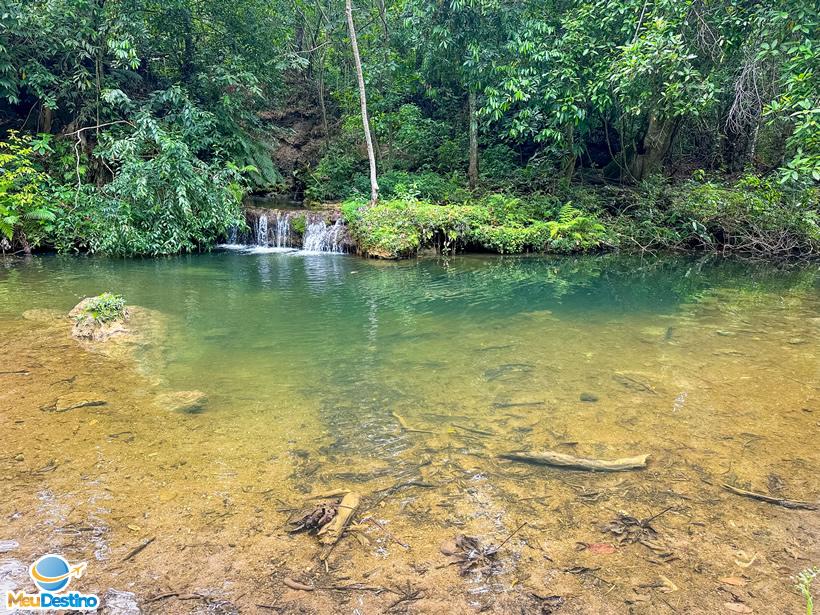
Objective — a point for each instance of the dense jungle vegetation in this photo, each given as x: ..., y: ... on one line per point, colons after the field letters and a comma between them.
x: 137, y: 126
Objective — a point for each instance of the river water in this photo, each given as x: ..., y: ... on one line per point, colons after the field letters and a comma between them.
x: 405, y: 382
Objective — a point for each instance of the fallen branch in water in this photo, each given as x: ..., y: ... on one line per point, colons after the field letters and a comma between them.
x: 793, y: 504
x: 561, y: 460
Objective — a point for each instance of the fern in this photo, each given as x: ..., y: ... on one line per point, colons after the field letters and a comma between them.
x: 568, y: 213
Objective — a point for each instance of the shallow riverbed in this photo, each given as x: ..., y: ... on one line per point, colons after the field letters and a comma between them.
x: 405, y: 382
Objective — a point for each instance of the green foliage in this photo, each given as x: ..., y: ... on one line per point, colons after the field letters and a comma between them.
x: 332, y: 177
x: 169, y: 193
x: 751, y: 215
x: 163, y: 106
x: 104, y: 308
x: 400, y: 227
x: 26, y: 213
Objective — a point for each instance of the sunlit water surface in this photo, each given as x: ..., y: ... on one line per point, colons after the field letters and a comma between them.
x: 404, y: 382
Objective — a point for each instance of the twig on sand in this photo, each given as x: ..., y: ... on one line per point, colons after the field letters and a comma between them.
x: 480, y: 432
x: 136, y: 551
x: 793, y: 504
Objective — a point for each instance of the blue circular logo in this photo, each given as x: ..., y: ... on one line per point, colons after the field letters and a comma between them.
x: 51, y: 573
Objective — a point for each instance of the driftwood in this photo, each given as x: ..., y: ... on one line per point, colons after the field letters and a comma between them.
x: 561, y: 460
x: 330, y: 534
x: 794, y: 504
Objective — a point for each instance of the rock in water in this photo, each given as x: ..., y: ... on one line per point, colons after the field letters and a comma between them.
x: 191, y: 402
x: 86, y: 327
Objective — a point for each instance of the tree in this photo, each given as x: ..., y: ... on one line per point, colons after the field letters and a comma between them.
x: 371, y: 155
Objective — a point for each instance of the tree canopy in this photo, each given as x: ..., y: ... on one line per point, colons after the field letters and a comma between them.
x: 173, y: 109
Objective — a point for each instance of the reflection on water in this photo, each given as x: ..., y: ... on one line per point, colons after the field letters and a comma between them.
x: 311, y: 363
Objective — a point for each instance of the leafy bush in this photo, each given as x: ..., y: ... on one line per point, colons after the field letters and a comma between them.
x: 752, y: 215
x: 170, y: 193
x: 104, y: 308
x: 26, y: 214
x: 400, y: 227
x: 412, y: 140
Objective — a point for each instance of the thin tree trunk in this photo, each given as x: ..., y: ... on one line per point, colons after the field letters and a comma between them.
x: 322, y: 106
x: 472, y: 172
x: 371, y: 156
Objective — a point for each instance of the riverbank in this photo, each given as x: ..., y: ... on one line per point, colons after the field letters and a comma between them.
x: 750, y: 216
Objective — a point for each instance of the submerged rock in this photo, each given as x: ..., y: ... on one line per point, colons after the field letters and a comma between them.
x: 43, y: 315
x: 191, y: 402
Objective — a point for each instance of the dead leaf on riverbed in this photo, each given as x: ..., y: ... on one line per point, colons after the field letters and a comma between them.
x: 598, y: 548
x: 297, y: 585
x: 315, y: 518
x: 737, y: 607
x: 734, y: 581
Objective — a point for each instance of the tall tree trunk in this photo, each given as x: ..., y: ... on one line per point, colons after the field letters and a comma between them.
x: 472, y: 172
x: 371, y: 156
x: 322, y: 106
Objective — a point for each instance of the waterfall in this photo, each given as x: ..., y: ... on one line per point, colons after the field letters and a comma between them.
x: 319, y: 237
x: 274, y: 230
x: 262, y: 231
x: 282, y: 229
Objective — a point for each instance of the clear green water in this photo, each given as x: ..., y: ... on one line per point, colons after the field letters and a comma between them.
x: 711, y: 366
x: 262, y: 327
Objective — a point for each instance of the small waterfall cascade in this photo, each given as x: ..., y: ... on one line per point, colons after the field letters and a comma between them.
x: 283, y: 229
x: 290, y: 230
x: 262, y: 231
x: 321, y: 237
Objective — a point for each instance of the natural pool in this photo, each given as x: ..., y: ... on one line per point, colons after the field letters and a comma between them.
x: 315, y: 365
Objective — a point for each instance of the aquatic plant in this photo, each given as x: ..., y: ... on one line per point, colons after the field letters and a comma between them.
x: 804, y: 581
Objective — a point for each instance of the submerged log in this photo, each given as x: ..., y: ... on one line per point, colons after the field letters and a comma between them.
x: 330, y: 534
x: 561, y: 460
x: 794, y: 504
